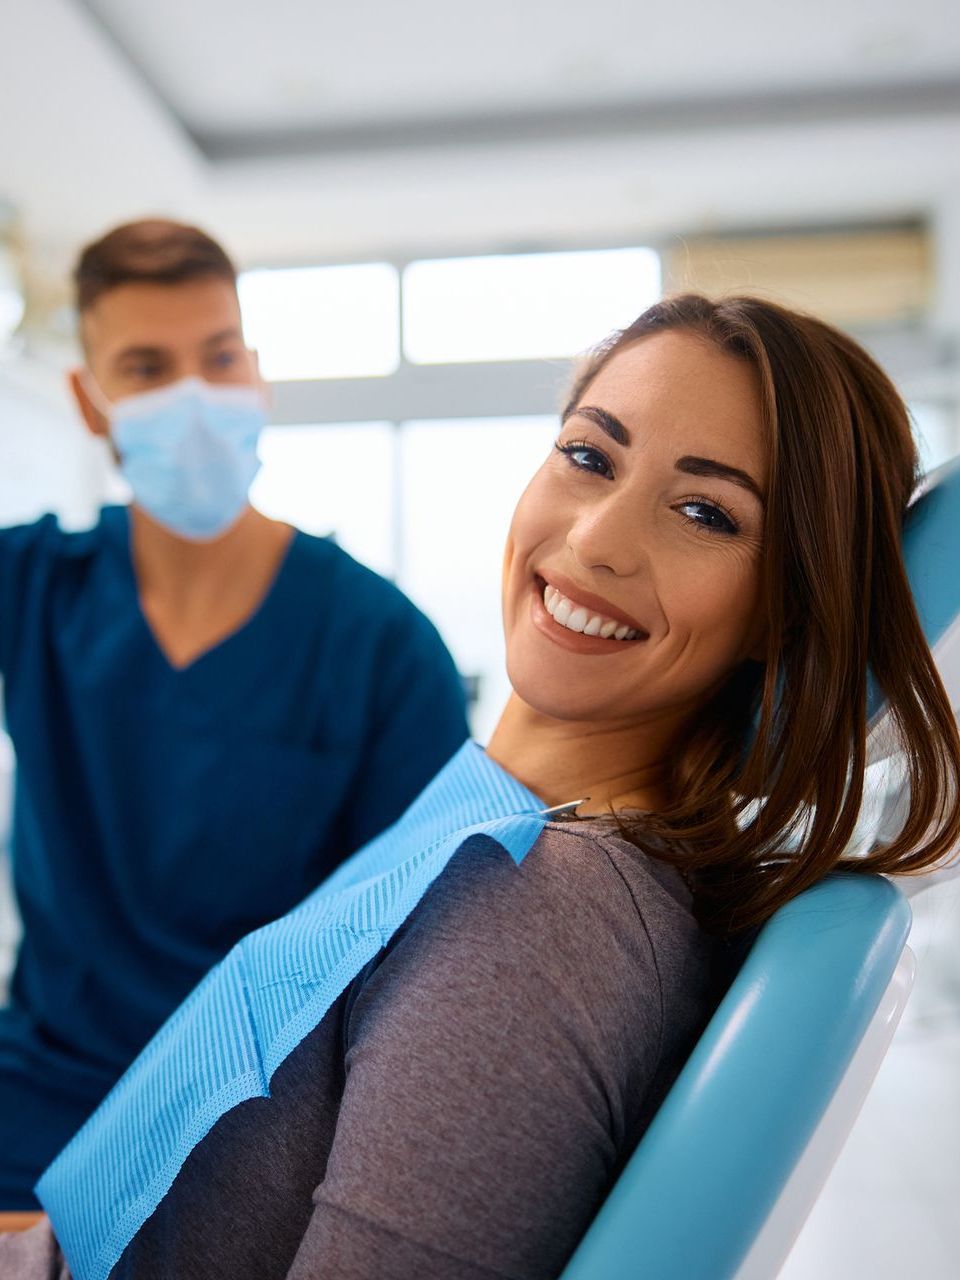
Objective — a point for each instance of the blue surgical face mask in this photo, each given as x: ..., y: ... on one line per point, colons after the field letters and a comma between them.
x: 188, y: 452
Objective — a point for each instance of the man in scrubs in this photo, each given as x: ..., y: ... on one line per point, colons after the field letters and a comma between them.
x: 210, y: 709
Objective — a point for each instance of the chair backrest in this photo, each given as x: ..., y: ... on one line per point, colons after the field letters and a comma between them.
x: 931, y: 549
x: 734, y: 1159
x: 696, y: 1193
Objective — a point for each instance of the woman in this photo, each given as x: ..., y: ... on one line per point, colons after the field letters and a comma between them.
x: 695, y: 585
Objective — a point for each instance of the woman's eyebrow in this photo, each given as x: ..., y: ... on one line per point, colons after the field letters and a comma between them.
x: 604, y: 420
x: 689, y: 463
x: 693, y: 466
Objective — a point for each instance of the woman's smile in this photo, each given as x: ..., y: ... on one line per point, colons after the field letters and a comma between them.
x: 579, y: 621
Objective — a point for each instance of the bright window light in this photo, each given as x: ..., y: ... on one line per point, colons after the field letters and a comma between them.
x: 936, y: 434
x: 11, y: 293
x: 333, y: 479
x: 459, y: 483
x: 323, y: 322
x: 523, y: 306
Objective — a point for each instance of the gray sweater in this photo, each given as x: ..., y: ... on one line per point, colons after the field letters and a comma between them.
x: 462, y: 1108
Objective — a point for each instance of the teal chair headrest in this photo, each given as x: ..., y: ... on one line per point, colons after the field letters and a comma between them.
x: 931, y: 549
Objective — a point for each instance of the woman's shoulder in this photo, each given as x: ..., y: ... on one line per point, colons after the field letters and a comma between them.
x: 632, y: 894
x: 590, y: 842
x: 584, y: 935
x: 582, y: 893
x: 594, y: 859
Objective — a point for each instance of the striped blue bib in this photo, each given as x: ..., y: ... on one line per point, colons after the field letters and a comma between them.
x: 226, y: 1040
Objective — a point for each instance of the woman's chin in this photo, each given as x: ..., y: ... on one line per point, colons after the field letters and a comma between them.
x: 566, y: 676
x: 549, y: 695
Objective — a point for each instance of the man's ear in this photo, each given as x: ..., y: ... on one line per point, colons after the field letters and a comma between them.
x: 96, y: 422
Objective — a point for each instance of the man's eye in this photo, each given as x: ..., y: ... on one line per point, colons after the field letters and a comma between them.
x: 707, y: 515
x: 224, y: 359
x: 585, y: 457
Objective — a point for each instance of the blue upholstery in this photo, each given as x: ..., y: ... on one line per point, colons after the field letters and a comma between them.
x: 719, y: 1151
x: 692, y: 1199
x: 931, y: 549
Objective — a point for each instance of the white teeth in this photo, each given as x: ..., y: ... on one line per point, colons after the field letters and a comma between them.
x: 576, y: 618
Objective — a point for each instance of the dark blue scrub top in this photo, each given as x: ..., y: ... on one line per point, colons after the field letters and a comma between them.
x: 160, y: 814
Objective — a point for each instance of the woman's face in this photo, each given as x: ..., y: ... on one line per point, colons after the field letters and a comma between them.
x: 644, y: 523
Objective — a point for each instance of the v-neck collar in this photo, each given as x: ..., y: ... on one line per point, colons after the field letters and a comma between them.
x: 116, y: 521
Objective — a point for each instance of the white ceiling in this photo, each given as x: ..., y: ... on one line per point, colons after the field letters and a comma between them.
x: 234, y: 70
x: 300, y: 131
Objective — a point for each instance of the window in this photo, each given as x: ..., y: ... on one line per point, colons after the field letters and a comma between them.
x: 323, y: 322
x: 460, y: 482
x: 333, y: 479
x: 936, y: 433
x: 523, y: 306
x: 428, y: 503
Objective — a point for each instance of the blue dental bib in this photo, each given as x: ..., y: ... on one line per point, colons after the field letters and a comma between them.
x: 222, y: 1046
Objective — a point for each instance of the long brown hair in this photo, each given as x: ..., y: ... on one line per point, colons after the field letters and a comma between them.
x: 767, y: 787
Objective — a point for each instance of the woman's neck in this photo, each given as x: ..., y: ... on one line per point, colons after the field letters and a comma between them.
x: 609, y: 766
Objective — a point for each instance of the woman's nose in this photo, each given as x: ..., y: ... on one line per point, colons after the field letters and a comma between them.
x: 609, y: 536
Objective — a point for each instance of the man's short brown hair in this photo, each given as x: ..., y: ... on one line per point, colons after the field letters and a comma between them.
x: 153, y: 251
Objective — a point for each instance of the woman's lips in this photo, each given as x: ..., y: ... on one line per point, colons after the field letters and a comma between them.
x: 592, y: 603
x: 574, y: 641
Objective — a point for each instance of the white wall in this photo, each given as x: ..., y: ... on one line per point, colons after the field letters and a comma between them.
x: 48, y: 461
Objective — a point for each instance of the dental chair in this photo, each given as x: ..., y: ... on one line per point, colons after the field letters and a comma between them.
x: 725, y: 1176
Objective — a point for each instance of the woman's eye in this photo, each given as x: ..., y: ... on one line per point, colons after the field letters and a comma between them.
x: 585, y: 457
x: 708, y: 516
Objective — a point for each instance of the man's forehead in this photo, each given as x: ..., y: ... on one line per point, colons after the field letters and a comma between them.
x: 161, y: 316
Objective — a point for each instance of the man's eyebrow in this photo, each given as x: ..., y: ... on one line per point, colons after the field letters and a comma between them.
x: 139, y: 353
x: 144, y: 351
x: 693, y: 466
x: 223, y: 335
x: 604, y: 420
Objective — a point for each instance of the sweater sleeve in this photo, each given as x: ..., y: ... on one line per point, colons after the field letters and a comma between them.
x: 32, y: 1255
x: 496, y: 1059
